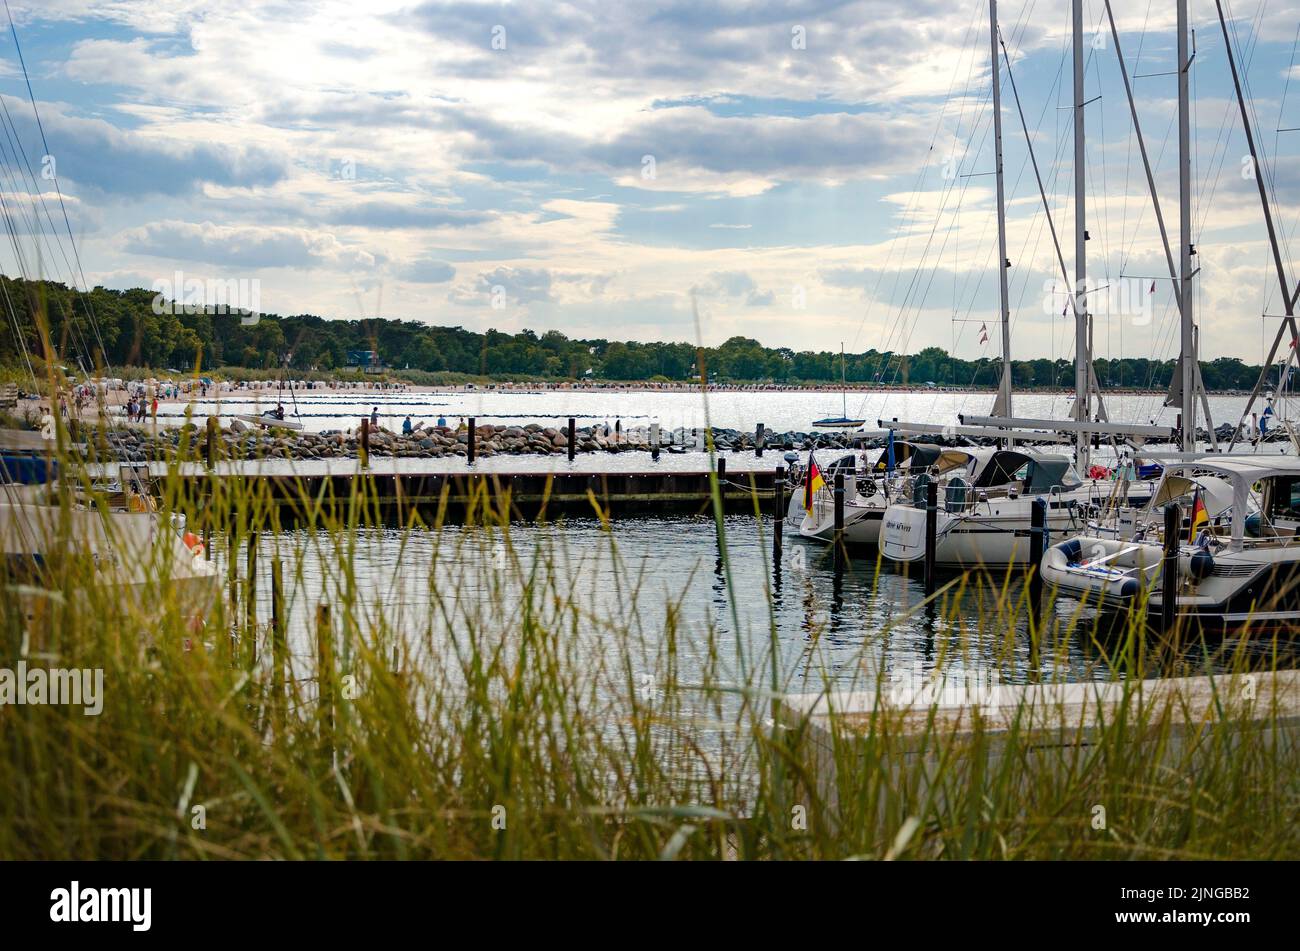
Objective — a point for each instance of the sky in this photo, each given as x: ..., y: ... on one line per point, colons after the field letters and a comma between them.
x: 808, y: 173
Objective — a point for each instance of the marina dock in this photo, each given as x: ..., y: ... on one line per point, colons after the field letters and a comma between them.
x: 1059, y: 722
x: 531, y: 488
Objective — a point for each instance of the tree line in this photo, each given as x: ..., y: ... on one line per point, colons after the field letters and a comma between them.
x: 128, y: 328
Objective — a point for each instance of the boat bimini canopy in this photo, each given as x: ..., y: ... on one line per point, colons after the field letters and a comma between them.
x: 913, y: 454
x: 1215, y: 492
x: 999, y: 466
x: 925, y: 456
x: 1241, y: 473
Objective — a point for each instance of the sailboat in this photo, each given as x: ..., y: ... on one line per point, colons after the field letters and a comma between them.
x: 984, y: 517
x: 1236, y: 561
x: 842, y: 421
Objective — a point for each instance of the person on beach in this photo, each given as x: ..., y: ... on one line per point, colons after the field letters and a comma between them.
x: 460, y: 424
x: 374, y: 417
x: 442, y: 422
x: 406, y: 426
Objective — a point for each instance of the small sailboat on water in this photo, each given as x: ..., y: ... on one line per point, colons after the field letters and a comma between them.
x: 842, y: 421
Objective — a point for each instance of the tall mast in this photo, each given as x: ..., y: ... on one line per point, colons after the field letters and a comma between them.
x: 1002, y: 407
x: 844, y: 387
x: 1082, y: 356
x: 1187, y: 356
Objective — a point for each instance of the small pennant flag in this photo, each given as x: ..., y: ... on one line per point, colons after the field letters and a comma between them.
x: 984, y: 334
x: 1153, y: 287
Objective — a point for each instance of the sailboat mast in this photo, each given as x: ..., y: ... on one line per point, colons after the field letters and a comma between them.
x: 844, y: 387
x: 1188, y: 352
x: 1003, y: 405
x: 1082, y: 356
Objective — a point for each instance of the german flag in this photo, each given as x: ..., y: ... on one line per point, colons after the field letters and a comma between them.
x: 812, y: 484
x: 1199, y: 515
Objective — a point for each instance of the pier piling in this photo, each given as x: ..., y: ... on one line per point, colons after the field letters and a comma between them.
x: 573, y: 437
x: 250, y: 596
x: 210, y: 447
x: 277, y: 637
x: 931, y: 530
x: 365, y: 442
x: 469, y: 441
x: 840, y: 553
x: 758, y: 440
x: 1037, y: 543
x: 1169, y: 567
x: 778, y: 515
x: 654, y: 442
x: 325, y: 673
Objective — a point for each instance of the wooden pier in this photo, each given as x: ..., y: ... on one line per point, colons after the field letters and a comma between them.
x: 528, y: 496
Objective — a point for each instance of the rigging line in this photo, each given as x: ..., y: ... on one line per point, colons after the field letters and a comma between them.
x: 915, y: 196
x: 1035, y: 232
x: 29, y: 217
x: 982, y: 272
x: 1225, y: 137
x: 18, y: 334
x: 902, y: 319
x: 21, y: 185
x: 1263, y: 167
x: 914, y: 321
x: 918, y: 300
x: 1128, y: 159
x: 94, y: 323
x: 1268, y: 168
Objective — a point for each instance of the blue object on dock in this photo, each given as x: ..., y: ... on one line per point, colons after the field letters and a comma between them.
x: 27, y: 470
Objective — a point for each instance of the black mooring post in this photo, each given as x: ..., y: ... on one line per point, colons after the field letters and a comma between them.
x: 758, y: 440
x: 1037, y: 542
x: 469, y: 441
x: 278, y: 646
x: 839, y: 520
x: 778, y: 515
x: 250, y: 594
x: 1169, y: 569
x: 654, y: 442
x: 365, y: 442
x: 573, y: 437
x: 211, y: 446
x: 931, y: 530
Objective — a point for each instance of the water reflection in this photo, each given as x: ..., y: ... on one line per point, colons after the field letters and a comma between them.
x: 853, y: 627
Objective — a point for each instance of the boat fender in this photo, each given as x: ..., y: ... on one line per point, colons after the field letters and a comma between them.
x: 193, y: 543
x: 956, y: 493
x: 1129, y: 588
x: 918, y: 489
x: 1201, y: 565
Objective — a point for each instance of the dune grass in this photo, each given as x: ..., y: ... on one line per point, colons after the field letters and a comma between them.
x: 515, y: 716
